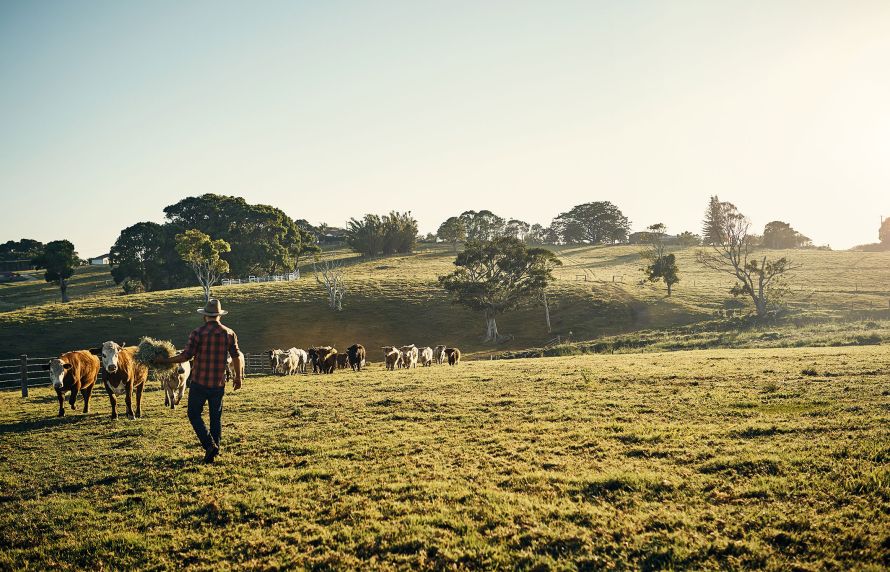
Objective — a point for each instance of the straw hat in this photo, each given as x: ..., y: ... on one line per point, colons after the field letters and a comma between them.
x: 213, y: 308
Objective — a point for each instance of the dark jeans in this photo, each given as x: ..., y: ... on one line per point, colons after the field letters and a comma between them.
x: 199, y: 395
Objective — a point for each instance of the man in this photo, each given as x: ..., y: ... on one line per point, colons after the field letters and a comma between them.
x: 209, y: 345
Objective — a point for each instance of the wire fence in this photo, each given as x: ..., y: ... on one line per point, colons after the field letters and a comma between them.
x: 27, y: 371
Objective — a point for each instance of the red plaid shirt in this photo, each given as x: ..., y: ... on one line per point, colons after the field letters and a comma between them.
x: 209, y: 345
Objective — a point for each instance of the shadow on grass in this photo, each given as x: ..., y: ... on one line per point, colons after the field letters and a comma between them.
x: 40, y: 424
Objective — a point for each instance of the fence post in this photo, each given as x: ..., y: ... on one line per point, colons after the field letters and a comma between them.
x: 24, y: 375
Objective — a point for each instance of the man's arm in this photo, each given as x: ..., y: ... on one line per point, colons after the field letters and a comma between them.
x: 237, y: 365
x: 185, y: 355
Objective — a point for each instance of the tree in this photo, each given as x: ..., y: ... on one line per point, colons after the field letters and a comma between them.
x: 140, y: 254
x: 24, y: 249
x: 496, y: 276
x: 687, y: 239
x: 715, y: 222
x: 884, y: 232
x: 333, y: 277
x: 399, y: 233
x: 592, y: 223
x: 536, y: 235
x: 517, y: 229
x: 453, y: 230
x: 778, y: 234
x: 662, y: 266
x: 59, y: 259
x: 761, y: 280
x: 482, y: 225
x: 203, y: 255
x: 389, y: 234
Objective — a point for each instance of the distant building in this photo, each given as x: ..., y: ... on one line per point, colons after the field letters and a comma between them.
x: 100, y: 260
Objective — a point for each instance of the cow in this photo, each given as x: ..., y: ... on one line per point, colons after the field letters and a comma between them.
x: 426, y: 356
x: 392, y: 357
x: 453, y: 355
x: 290, y: 365
x: 409, y: 356
x: 122, y: 375
x: 275, y: 359
x: 342, y: 361
x: 439, y: 354
x: 73, y: 371
x: 356, y: 354
x: 329, y: 361
x: 302, y: 359
x: 173, y: 382
x: 230, y: 369
x: 316, y: 356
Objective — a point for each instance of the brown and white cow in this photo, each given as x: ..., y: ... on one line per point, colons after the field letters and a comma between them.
x: 453, y: 356
x: 426, y: 357
x: 329, y: 361
x: 409, y: 356
x: 392, y: 357
x: 73, y: 371
x: 173, y: 383
x: 123, y: 375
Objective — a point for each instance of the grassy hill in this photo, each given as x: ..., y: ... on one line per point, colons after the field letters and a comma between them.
x: 396, y: 301
x: 725, y: 459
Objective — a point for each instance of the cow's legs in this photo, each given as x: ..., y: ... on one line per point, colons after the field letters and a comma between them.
x: 180, y: 392
x: 167, y: 396
x: 113, y: 400
x: 129, y: 400
x: 61, y: 394
x: 86, y: 393
x: 73, y: 399
x: 139, y: 389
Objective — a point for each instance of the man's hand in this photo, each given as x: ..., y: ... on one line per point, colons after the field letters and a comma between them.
x: 236, y: 384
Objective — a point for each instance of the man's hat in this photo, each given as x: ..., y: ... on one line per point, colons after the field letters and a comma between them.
x: 213, y: 308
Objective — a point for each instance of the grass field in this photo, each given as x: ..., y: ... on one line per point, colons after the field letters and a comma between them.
x: 721, y: 459
x: 396, y: 300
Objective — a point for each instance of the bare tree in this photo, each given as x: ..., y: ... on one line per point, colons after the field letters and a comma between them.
x: 761, y: 280
x: 332, y: 276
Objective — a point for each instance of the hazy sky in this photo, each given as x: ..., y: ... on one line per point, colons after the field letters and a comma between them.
x: 110, y: 111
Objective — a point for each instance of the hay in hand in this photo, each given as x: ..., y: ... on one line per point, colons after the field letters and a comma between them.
x: 150, y: 349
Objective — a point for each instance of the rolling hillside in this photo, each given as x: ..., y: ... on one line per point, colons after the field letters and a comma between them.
x: 396, y: 300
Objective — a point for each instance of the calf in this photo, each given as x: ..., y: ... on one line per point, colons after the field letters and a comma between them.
x: 230, y: 368
x: 409, y: 356
x: 356, y: 354
x: 426, y: 357
x: 316, y: 356
x: 342, y: 361
x: 329, y: 361
x: 392, y: 357
x: 173, y: 383
x: 123, y: 375
x: 73, y: 371
x: 275, y: 358
x: 453, y: 355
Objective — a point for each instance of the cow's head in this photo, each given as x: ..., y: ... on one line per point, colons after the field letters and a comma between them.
x: 108, y: 355
x: 57, y: 370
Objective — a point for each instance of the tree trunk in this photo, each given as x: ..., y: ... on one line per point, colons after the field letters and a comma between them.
x: 63, y: 284
x: 669, y: 289
x: 491, y: 332
x: 206, y: 286
x: 547, y: 314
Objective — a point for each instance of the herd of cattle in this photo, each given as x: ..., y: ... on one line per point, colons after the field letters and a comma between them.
x: 326, y: 359
x: 124, y: 375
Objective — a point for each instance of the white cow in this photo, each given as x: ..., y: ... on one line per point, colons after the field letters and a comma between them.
x: 426, y: 356
x: 302, y: 359
x: 276, y: 357
x: 230, y: 370
x: 409, y: 356
x: 173, y: 383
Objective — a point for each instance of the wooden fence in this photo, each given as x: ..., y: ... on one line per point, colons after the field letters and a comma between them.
x: 27, y: 371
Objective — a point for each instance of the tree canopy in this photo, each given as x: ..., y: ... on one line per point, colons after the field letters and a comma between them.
x: 24, y: 249
x: 453, y: 230
x: 389, y: 234
x: 59, y: 259
x: 204, y: 256
x: 482, y: 225
x: 778, y: 234
x: 598, y: 222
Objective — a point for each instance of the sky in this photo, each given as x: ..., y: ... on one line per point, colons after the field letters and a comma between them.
x: 110, y: 111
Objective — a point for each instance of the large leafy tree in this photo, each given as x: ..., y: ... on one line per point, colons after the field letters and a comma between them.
x: 499, y: 275
x: 59, y: 259
x: 778, y: 234
x: 453, y: 231
x: 884, y: 232
x: 142, y: 252
x: 759, y: 278
x: 598, y: 222
x: 204, y: 256
x: 24, y: 249
x: 715, y: 221
x: 373, y: 235
x: 263, y: 239
x: 365, y: 235
x: 482, y: 225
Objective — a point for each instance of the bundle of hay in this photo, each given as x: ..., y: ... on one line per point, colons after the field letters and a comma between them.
x: 149, y: 349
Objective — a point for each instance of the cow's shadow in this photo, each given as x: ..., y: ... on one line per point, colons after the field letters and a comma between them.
x: 28, y: 425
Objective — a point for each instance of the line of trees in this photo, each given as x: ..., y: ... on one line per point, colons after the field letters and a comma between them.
x: 373, y: 235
